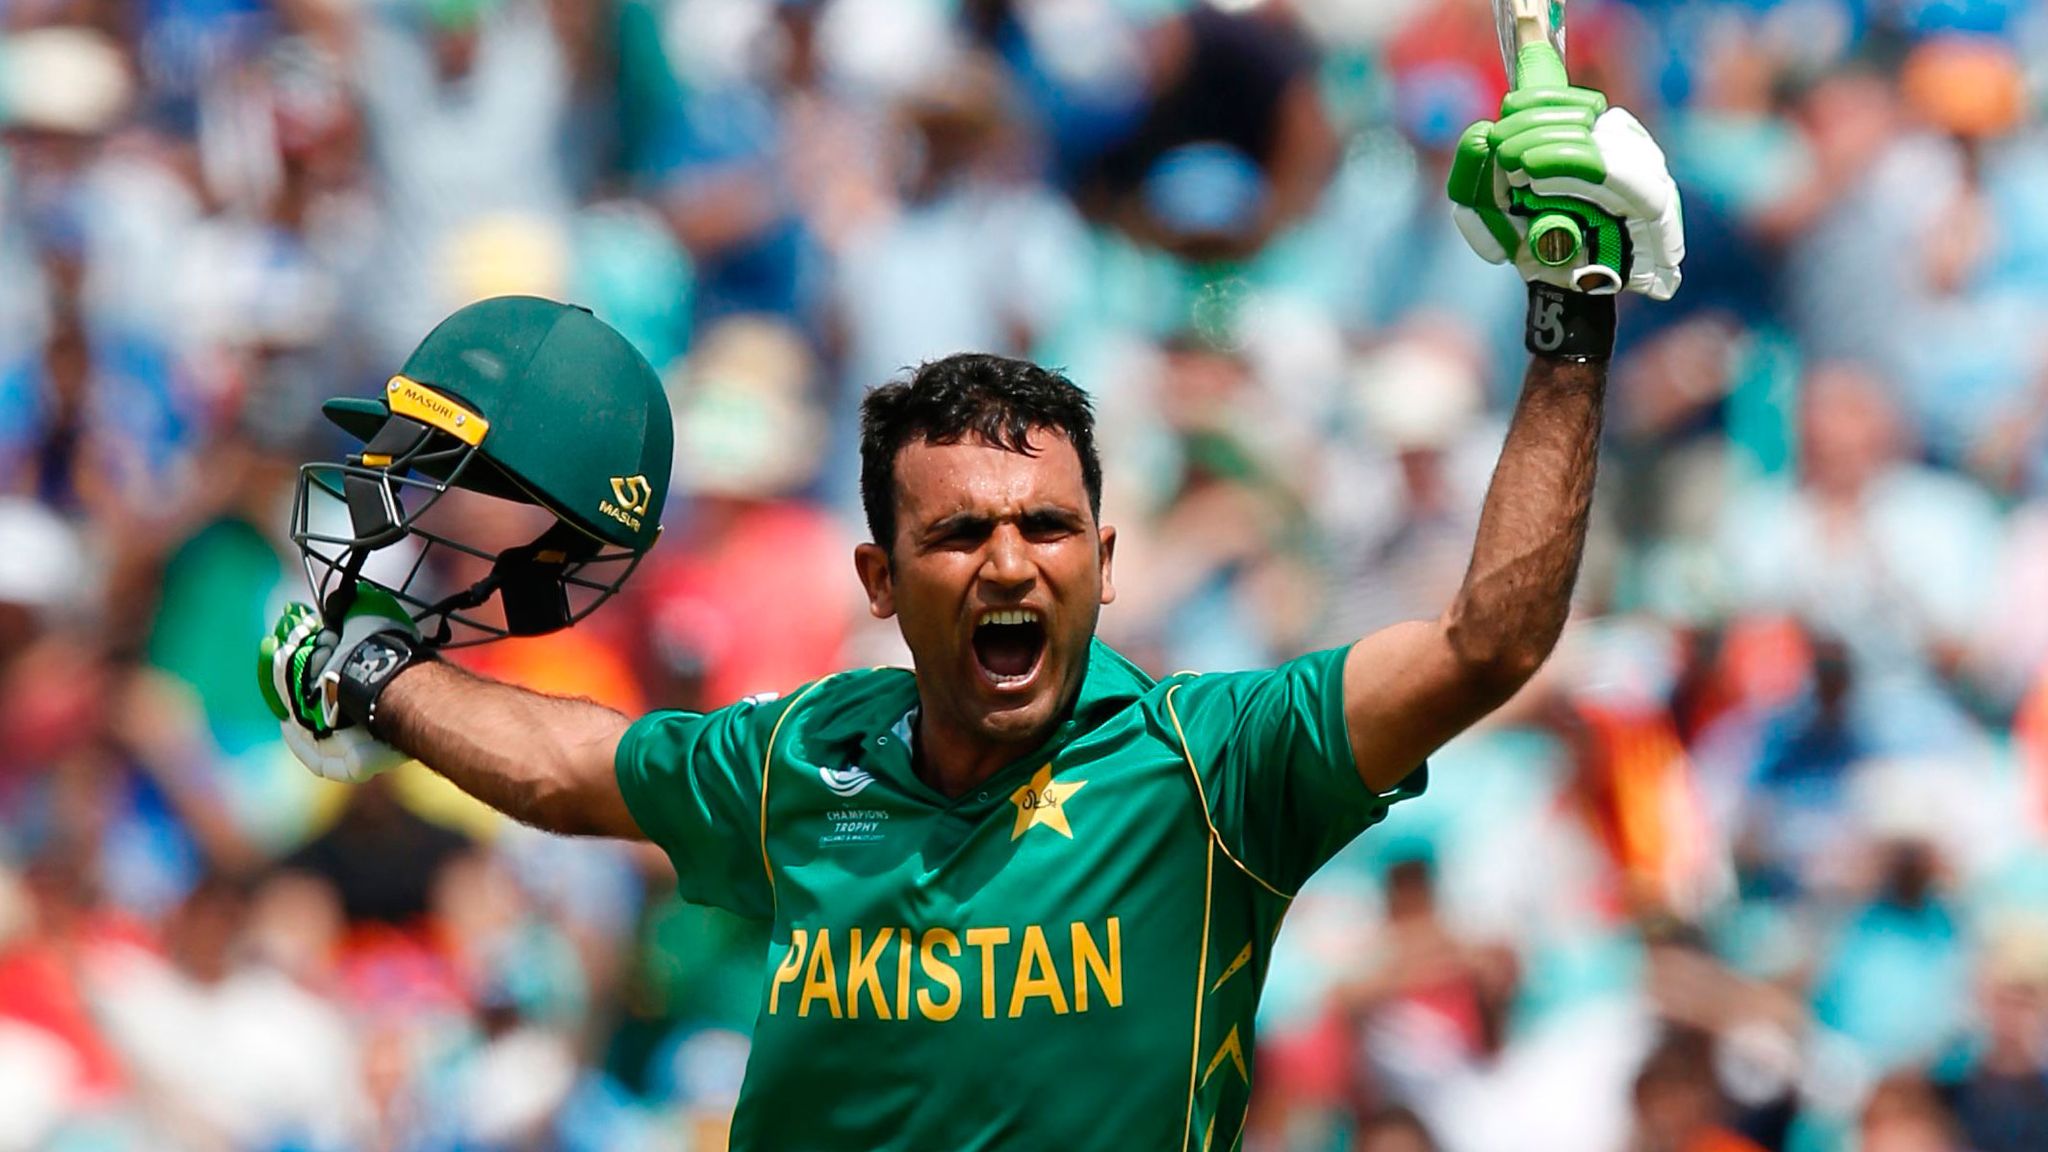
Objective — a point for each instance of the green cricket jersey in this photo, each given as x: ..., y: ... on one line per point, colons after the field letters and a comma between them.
x: 1068, y: 957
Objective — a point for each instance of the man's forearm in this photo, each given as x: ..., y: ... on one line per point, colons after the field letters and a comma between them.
x: 1532, y: 530
x: 542, y: 760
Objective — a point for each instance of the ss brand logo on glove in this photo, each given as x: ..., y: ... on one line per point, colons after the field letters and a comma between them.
x: 1546, y: 321
x: 370, y: 662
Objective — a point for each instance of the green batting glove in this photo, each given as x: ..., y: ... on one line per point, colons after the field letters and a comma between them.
x: 297, y: 670
x: 284, y: 660
x: 1563, y: 151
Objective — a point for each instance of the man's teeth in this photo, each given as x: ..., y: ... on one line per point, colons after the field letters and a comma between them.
x: 1009, y: 616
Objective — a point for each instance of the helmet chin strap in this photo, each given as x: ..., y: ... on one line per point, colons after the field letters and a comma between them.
x: 343, y: 595
x: 528, y: 583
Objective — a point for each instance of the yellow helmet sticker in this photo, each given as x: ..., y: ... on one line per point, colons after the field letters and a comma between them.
x: 413, y: 399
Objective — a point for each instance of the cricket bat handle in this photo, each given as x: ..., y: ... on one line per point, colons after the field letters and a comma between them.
x: 1554, y: 237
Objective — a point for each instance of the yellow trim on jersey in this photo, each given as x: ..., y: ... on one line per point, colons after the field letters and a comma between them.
x: 768, y: 762
x: 1244, y: 957
x: 1233, y: 1048
x: 1201, y: 993
x: 1188, y: 755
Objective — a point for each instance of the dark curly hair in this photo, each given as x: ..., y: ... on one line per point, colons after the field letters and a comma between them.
x: 994, y: 399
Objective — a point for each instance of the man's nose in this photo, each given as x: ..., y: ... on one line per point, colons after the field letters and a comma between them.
x: 1007, y: 562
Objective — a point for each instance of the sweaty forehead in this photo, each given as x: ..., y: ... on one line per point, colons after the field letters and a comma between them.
x: 935, y: 480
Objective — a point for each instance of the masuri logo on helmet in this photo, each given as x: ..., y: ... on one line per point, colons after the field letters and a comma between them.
x: 518, y: 398
x: 632, y: 494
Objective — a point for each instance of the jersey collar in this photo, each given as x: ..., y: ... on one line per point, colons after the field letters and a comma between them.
x: 1111, y: 684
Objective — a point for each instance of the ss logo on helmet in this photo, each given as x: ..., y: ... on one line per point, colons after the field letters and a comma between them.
x: 633, y: 494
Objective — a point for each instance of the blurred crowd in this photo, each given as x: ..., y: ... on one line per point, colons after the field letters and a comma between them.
x: 1759, y: 863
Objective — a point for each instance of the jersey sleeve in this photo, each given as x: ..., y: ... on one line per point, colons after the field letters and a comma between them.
x: 1272, y: 753
x: 692, y: 781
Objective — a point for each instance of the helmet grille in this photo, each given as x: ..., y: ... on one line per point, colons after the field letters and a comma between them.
x: 344, y: 514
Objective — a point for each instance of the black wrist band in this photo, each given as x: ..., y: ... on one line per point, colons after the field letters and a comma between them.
x: 1568, y: 325
x: 369, y: 668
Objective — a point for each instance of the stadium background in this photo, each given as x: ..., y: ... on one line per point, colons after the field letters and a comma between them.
x: 1758, y: 862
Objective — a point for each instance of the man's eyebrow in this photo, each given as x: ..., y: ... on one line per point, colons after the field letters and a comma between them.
x: 958, y: 522
x: 1039, y: 516
x: 1051, y: 515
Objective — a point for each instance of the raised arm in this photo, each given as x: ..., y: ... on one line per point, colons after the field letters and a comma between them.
x: 542, y: 760
x: 1409, y: 688
x: 363, y: 695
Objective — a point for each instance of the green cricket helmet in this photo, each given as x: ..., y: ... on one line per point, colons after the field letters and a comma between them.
x: 518, y: 398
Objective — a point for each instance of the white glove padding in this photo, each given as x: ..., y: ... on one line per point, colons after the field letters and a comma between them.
x: 1639, y: 192
x: 347, y: 756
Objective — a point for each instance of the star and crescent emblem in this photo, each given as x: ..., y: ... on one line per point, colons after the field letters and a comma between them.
x: 1042, y: 803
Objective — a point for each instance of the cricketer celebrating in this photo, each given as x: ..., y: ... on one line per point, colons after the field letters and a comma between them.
x: 1022, y: 894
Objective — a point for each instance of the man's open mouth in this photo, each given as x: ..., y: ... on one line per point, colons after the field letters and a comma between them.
x: 1008, y: 645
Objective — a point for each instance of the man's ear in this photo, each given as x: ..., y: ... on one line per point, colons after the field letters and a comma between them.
x: 872, y: 562
x: 1108, y: 553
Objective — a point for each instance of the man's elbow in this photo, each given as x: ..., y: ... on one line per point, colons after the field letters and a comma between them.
x: 578, y: 795
x: 1496, y: 662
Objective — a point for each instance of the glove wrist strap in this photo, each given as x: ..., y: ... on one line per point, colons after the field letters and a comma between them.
x: 1567, y: 325
x: 369, y: 668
